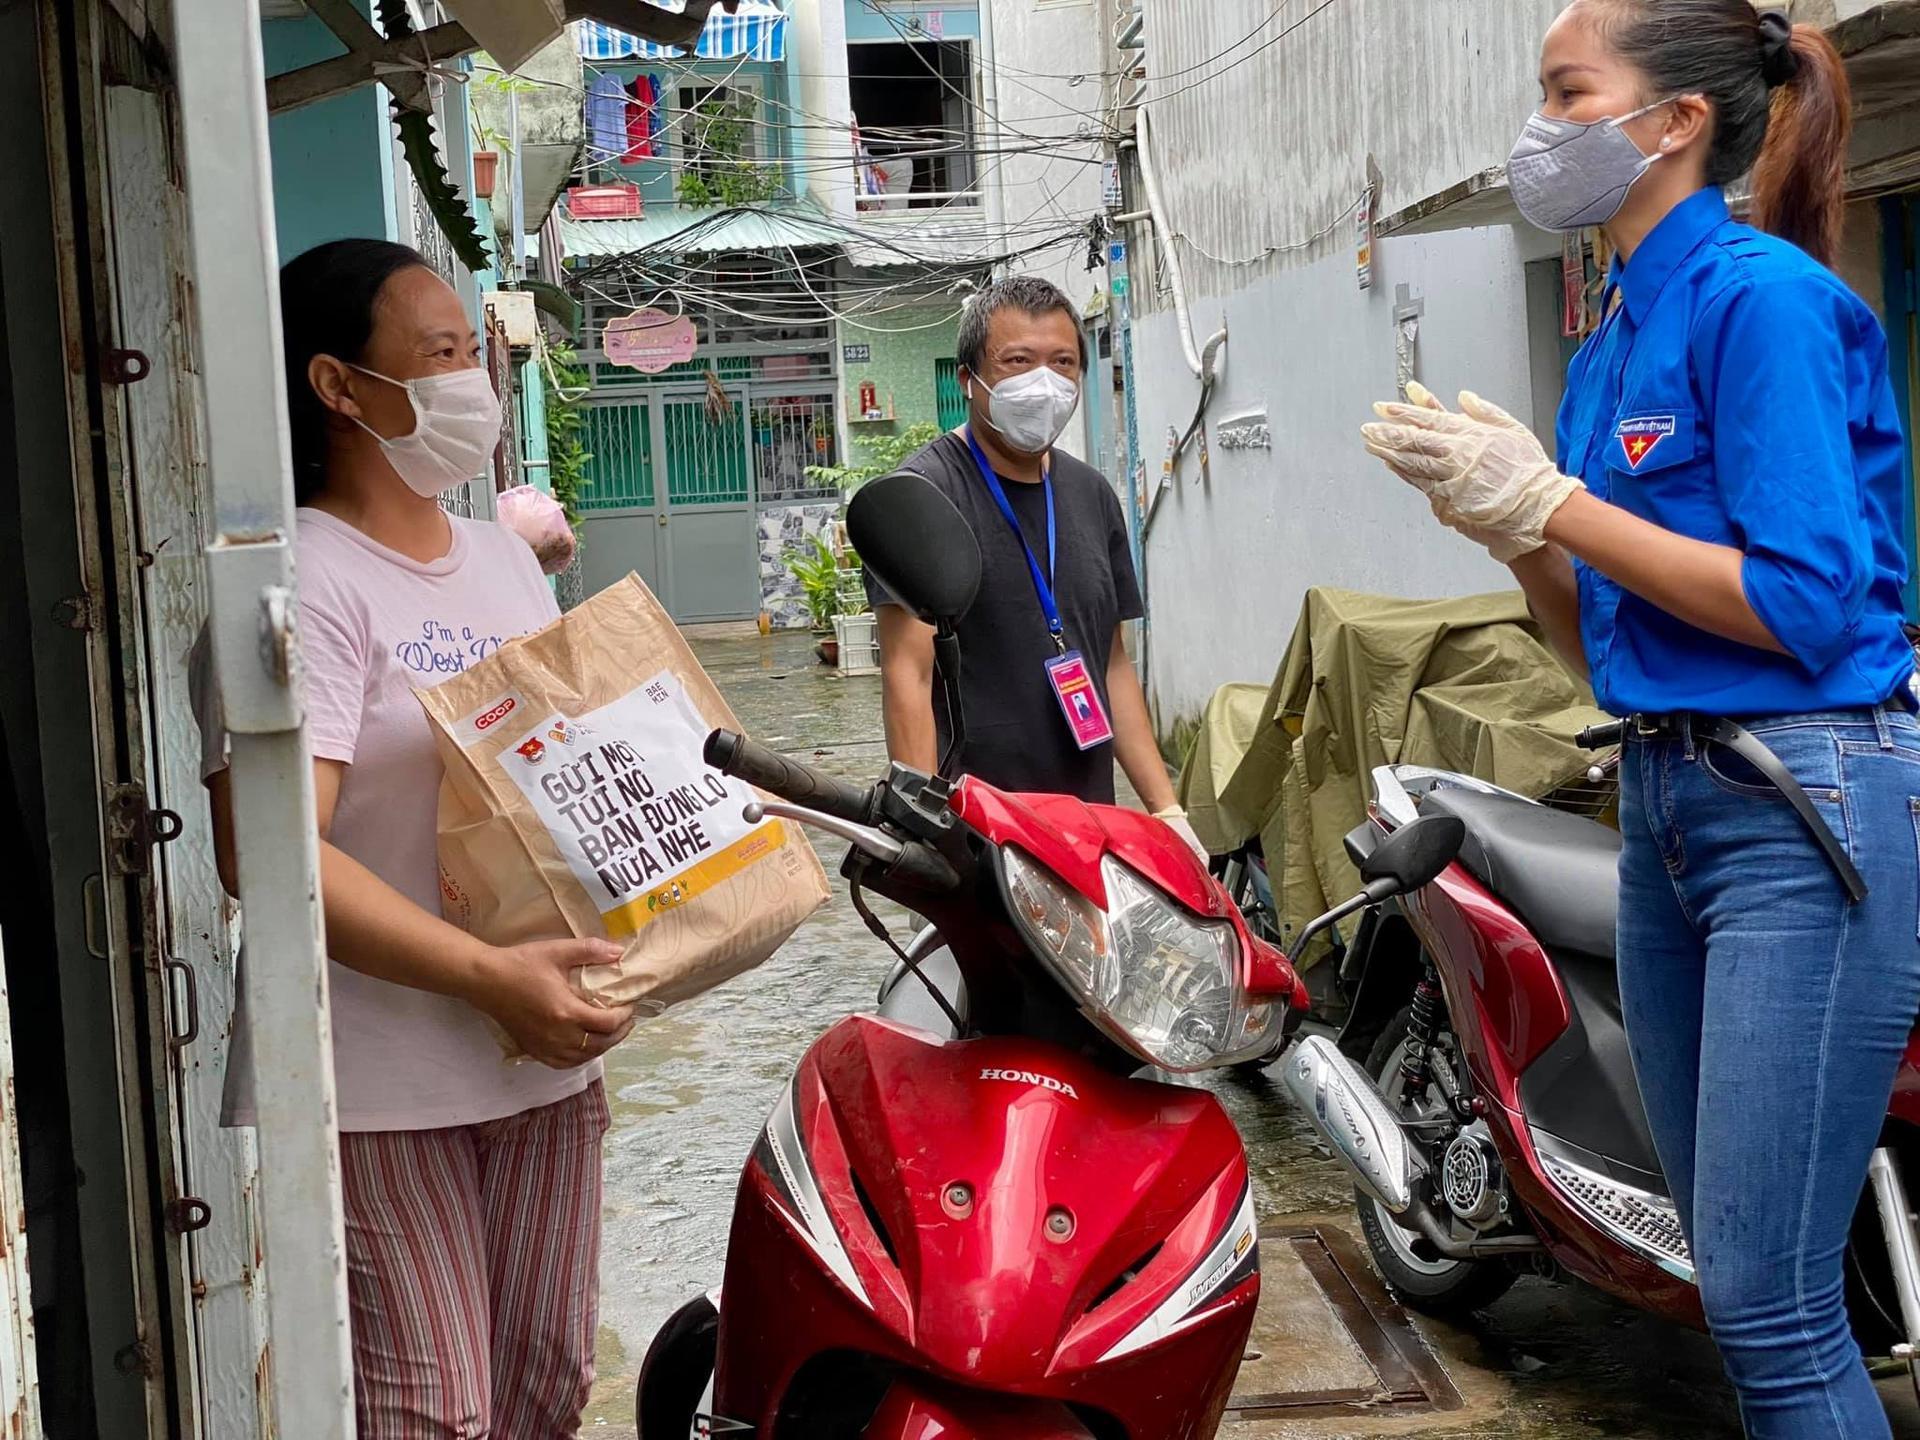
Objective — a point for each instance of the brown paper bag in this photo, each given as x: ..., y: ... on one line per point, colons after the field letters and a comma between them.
x: 576, y: 802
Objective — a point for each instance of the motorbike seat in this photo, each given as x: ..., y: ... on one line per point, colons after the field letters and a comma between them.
x: 1558, y: 872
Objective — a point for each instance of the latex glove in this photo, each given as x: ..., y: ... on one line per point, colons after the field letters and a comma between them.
x: 1498, y: 546
x: 1176, y: 820
x: 1480, y: 468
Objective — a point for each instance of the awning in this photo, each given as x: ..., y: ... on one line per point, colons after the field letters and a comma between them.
x: 510, y: 30
x: 757, y: 31
x: 696, y: 232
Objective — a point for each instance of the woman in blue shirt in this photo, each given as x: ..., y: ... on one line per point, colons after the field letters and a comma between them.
x: 1721, y: 541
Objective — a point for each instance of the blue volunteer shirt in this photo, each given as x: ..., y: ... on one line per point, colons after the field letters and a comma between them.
x: 1738, y: 393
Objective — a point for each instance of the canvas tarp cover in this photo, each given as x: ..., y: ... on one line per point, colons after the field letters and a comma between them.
x: 1368, y: 680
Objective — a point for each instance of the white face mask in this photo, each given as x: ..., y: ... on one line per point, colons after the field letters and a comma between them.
x: 1029, y: 410
x: 456, y: 424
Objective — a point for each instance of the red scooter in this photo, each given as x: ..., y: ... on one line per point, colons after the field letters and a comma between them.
x: 1006, y: 1230
x: 1482, y: 1095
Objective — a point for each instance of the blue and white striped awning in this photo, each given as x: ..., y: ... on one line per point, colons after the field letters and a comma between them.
x: 756, y: 31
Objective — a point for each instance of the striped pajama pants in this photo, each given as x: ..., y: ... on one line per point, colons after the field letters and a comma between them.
x: 472, y: 1259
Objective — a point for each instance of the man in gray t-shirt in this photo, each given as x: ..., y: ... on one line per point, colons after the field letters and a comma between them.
x: 1021, y: 357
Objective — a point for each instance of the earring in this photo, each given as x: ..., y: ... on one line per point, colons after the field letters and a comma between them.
x: 1666, y: 142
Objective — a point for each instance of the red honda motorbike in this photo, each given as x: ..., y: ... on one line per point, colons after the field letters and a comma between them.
x: 1481, y: 1092
x: 1004, y: 1229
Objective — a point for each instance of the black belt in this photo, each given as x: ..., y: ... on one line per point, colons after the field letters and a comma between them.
x: 1713, y: 730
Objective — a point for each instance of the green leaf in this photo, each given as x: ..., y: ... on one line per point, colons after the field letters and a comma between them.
x: 449, y: 211
x: 444, y: 203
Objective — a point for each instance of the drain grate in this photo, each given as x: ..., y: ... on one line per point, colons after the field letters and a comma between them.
x: 1368, y: 1361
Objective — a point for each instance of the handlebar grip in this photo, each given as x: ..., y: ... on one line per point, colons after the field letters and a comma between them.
x: 781, y: 775
x: 1599, y: 737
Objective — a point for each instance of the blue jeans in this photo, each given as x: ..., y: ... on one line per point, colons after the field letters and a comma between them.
x: 1766, y: 1017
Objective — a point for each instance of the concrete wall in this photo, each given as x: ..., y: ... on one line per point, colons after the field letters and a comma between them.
x: 817, y: 73
x: 1228, y: 563
x: 919, y: 19
x: 1059, y: 190
x: 1435, y: 92
x: 332, y: 162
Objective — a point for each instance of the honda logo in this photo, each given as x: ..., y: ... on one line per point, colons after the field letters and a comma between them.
x: 1032, y: 1077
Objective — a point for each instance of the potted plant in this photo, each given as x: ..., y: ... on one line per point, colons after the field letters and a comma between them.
x: 817, y: 569
x: 488, y: 146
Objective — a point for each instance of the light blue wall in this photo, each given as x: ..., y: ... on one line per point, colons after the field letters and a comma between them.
x: 332, y: 162
x: 865, y: 22
x: 533, y: 422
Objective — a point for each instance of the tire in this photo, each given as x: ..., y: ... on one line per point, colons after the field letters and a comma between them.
x: 1425, y: 1280
x: 674, y: 1377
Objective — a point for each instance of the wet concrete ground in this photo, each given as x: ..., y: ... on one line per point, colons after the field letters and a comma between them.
x: 690, y: 1091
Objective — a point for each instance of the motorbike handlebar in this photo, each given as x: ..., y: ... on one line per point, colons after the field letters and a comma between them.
x: 778, y: 774
x: 1599, y: 737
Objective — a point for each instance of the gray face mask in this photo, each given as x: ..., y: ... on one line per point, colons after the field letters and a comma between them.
x: 1567, y: 176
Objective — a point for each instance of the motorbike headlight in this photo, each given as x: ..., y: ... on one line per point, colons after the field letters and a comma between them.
x: 1156, y: 978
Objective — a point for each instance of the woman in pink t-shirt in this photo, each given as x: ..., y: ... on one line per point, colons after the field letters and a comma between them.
x: 472, y: 1186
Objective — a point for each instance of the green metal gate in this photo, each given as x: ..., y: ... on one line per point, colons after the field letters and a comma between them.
x: 621, y: 527
x: 949, y: 399
x: 675, y: 482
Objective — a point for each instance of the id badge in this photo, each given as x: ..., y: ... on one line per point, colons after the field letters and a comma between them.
x: 1079, y: 701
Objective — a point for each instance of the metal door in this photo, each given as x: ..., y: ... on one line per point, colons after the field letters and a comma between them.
x: 710, y: 525
x: 622, y: 526
x: 19, y: 1364
x: 226, y: 1348
x: 96, y: 711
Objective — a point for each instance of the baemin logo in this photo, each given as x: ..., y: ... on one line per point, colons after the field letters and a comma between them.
x: 1029, y: 1077
x: 490, y: 718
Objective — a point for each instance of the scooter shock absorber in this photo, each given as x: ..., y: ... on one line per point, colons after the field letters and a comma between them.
x: 1422, y: 1022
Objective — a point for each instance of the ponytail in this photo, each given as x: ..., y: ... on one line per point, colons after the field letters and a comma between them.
x: 1800, y: 179
x: 1782, y: 107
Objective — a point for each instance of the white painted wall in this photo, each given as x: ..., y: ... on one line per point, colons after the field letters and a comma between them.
x: 1228, y: 564
x: 1038, y: 48
x: 817, y: 60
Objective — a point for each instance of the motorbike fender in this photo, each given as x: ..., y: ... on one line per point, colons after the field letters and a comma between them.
x: 915, y: 1410
x: 1001, y: 1215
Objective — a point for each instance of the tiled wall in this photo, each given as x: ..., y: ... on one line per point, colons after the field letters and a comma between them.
x: 784, y: 528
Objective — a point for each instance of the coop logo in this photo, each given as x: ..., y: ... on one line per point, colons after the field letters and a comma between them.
x: 1032, y: 1077
x: 490, y: 718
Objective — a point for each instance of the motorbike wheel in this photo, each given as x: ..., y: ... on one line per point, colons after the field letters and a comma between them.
x: 1428, y: 1281
x: 673, y: 1380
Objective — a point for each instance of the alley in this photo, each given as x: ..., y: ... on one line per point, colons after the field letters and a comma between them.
x: 691, y: 1090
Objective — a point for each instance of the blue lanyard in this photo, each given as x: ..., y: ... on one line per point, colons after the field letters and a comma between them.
x: 1041, y: 585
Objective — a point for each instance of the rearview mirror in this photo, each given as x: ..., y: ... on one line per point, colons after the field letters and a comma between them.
x: 1415, y: 854
x: 912, y: 540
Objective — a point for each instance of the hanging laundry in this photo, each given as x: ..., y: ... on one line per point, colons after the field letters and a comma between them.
x: 658, y: 113
x: 869, y: 178
x: 640, y: 112
x: 607, y: 118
